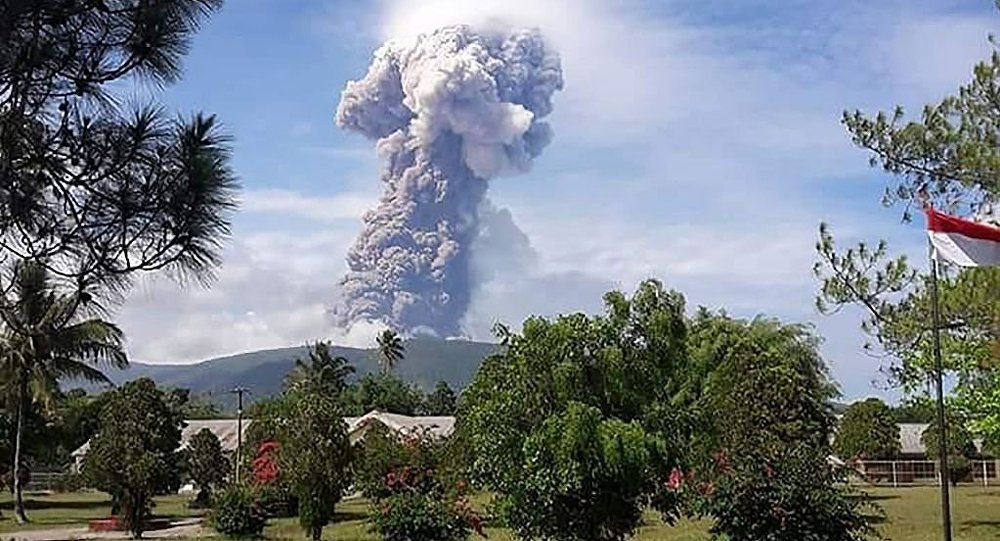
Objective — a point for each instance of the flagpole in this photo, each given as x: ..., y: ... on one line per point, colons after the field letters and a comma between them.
x: 939, y: 380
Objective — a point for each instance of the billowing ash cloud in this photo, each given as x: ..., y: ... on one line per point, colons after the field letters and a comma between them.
x: 449, y: 111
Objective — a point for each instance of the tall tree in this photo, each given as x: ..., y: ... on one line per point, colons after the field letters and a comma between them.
x: 442, y: 401
x: 761, y: 453
x: 390, y: 350
x: 572, y: 423
x: 867, y: 430
x: 948, y: 157
x: 91, y: 188
x: 315, y: 456
x: 322, y: 372
x: 47, y: 337
x: 205, y: 464
x: 134, y: 455
x: 384, y: 392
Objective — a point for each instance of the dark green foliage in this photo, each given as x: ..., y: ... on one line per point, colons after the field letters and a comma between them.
x: 378, y: 454
x: 390, y: 350
x: 867, y: 430
x: 413, y: 497
x: 133, y: 456
x: 961, y: 448
x: 787, y: 494
x: 315, y: 456
x: 594, y: 392
x: 442, y: 401
x: 237, y: 514
x: 761, y: 460
x: 767, y: 382
x: 419, y: 516
x: 587, y: 473
x: 324, y: 372
x: 205, y: 464
x: 277, y: 500
x: 48, y: 334
x: 384, y: 392
x: 191, y: 407
x: 87, y: 185
x: 915, y: 410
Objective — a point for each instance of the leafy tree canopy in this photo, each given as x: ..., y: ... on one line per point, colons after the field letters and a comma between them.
x: 133, y: 456
x: 91, y: 188
x: 442, y: 401
x: 315, y: 456
x: 867, y: 430
x: 384, y: 392
x: 205, y: 463
x: 580, y: 391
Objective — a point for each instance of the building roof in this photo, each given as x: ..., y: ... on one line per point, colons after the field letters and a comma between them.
x: 909, y: 438
x: 440, y: 427
x: 226, y: 429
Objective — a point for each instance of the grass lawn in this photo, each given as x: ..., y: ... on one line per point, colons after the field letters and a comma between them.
x: 73, y: 510
x: 912, y: 514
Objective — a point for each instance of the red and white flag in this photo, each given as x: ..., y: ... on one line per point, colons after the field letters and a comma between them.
x: 963, y: 242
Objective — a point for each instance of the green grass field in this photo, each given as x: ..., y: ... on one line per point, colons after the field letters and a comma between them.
x: 911, y: 514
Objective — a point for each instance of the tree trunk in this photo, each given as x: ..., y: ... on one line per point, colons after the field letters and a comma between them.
x: 317, y: 532
x: 22, y: 396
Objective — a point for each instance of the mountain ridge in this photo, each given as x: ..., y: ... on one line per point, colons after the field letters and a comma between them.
x: 262, y: 372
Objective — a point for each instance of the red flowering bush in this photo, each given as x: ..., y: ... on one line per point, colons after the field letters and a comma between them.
x: 410, y: 501
x: 270, y: 490
x: 264, y: 467
x: 785, y: 495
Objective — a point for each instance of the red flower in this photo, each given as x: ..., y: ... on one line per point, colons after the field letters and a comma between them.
x: 264, y: 468
x: 675, y: 480
x: 477, y: 525
x: 721, y: 460
x: 390, y: 479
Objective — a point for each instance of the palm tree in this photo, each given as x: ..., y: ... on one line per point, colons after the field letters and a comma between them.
x: 45, y: 337
x: 323, y: 372
x: 390, y: 350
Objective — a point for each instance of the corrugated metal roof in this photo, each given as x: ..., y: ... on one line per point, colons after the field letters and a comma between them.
x: 226, y: 429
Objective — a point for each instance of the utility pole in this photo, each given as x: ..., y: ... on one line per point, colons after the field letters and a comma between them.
x: 239, y: 392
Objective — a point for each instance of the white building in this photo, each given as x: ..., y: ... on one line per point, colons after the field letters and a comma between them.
x: 227, y: 429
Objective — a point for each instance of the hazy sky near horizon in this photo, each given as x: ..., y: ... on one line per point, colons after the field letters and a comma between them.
x: 697, y: 141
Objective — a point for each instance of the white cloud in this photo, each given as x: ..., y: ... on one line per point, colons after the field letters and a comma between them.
x: 342, y: 206
x: 933, y: 54
x: 271, y: 292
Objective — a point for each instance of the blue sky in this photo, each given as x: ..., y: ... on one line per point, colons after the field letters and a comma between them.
x: 697, y: 141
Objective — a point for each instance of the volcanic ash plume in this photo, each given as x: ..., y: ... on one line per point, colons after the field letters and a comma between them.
x: 449, y: 111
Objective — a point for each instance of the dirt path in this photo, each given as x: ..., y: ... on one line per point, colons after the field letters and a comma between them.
x: 186, y: 528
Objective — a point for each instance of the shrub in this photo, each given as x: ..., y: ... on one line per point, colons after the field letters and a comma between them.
x: 383, y: 451
x: 237, y: 514
x: 418, y: 516
x: 272, y: 491
x: 277, y: 500
x: 788, y: 495
x: 69, y: 482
